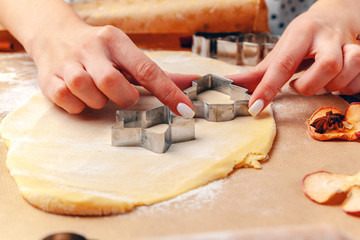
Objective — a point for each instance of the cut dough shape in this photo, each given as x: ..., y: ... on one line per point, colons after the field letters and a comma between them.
x: 65, y: 163
x: 214, y: 97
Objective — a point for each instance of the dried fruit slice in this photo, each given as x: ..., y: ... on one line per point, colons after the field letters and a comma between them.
x: 348, y: 129
x: 329, y: 188
x: 326, y: 188
x: 352, y: 116
x: 352, y: 204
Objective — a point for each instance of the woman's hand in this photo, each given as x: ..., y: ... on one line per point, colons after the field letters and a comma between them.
x: 81, y: 65
x: 325, y: 33
x: 89, y: 65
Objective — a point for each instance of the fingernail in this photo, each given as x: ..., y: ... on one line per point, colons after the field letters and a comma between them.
x: 185, y: 110
x: 336, y: 93
x: 256, y: 107
x: 321, y: 91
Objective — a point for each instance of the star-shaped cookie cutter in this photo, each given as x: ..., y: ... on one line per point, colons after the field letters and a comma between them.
x: 132, y: 129
x: 218, y: 112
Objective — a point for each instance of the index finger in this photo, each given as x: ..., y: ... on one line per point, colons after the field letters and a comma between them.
x: 285, y: 63
x: 149, y: 75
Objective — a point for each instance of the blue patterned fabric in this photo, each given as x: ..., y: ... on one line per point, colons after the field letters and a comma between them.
x: 282, y: 12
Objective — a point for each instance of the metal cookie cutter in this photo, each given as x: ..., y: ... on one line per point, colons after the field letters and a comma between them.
x: 218, y: 112
x: 205, y: 44
x: 131, y: 129
x: 237, y: 48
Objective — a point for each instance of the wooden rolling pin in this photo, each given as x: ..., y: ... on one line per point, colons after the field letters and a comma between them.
x: 176, y: 16
x: 169, y: 24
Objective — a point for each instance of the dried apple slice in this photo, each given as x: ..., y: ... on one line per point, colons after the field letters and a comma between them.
x: 326, y: 188
x: 352, y: 116
x: 347, y: 129
x: 352, y: 204
x: 329, y: 188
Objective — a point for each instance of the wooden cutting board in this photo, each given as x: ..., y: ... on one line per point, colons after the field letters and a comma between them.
x: 250, y: 204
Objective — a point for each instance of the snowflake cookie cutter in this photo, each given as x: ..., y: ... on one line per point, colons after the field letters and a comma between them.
x: 218, y: 112
x: 132, y: 129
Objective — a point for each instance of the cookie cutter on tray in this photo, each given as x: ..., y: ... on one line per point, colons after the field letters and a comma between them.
x: 132, y: 129
x: 218, y: 112
x: 237, y: 48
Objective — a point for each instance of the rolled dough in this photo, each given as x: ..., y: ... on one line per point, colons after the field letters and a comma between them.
x: 65, y: 164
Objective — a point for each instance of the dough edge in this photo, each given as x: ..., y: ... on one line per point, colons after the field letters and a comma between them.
x: 81, y: 203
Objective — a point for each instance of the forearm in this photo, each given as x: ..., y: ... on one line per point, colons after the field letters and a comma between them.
x: 29, y: 20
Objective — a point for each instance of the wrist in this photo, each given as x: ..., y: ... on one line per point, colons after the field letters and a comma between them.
x: 341, y: 15
x: 54, y: 19
x: 48, y: 36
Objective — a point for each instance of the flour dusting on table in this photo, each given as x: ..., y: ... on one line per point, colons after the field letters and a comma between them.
x: 189, y: 201
x: 17, y: 81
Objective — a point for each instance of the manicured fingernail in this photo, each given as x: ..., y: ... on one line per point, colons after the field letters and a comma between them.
x: 256, y: 107
x: 321, y: 91
x: 185, y: 110
x: 336, y: 93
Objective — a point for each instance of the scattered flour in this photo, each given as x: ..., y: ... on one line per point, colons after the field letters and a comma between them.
x: 18, y: 81
x: 22, y: 92
x: 187, y: 202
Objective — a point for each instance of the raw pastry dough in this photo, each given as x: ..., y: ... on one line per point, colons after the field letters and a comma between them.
x: 65, y: 164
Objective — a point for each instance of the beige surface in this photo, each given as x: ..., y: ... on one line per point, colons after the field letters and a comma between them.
x: 298, y: 232
x: 176, y: 16
x: 247, y: 200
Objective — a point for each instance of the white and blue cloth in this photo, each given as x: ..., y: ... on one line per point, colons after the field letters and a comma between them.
x: 282, y: 12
